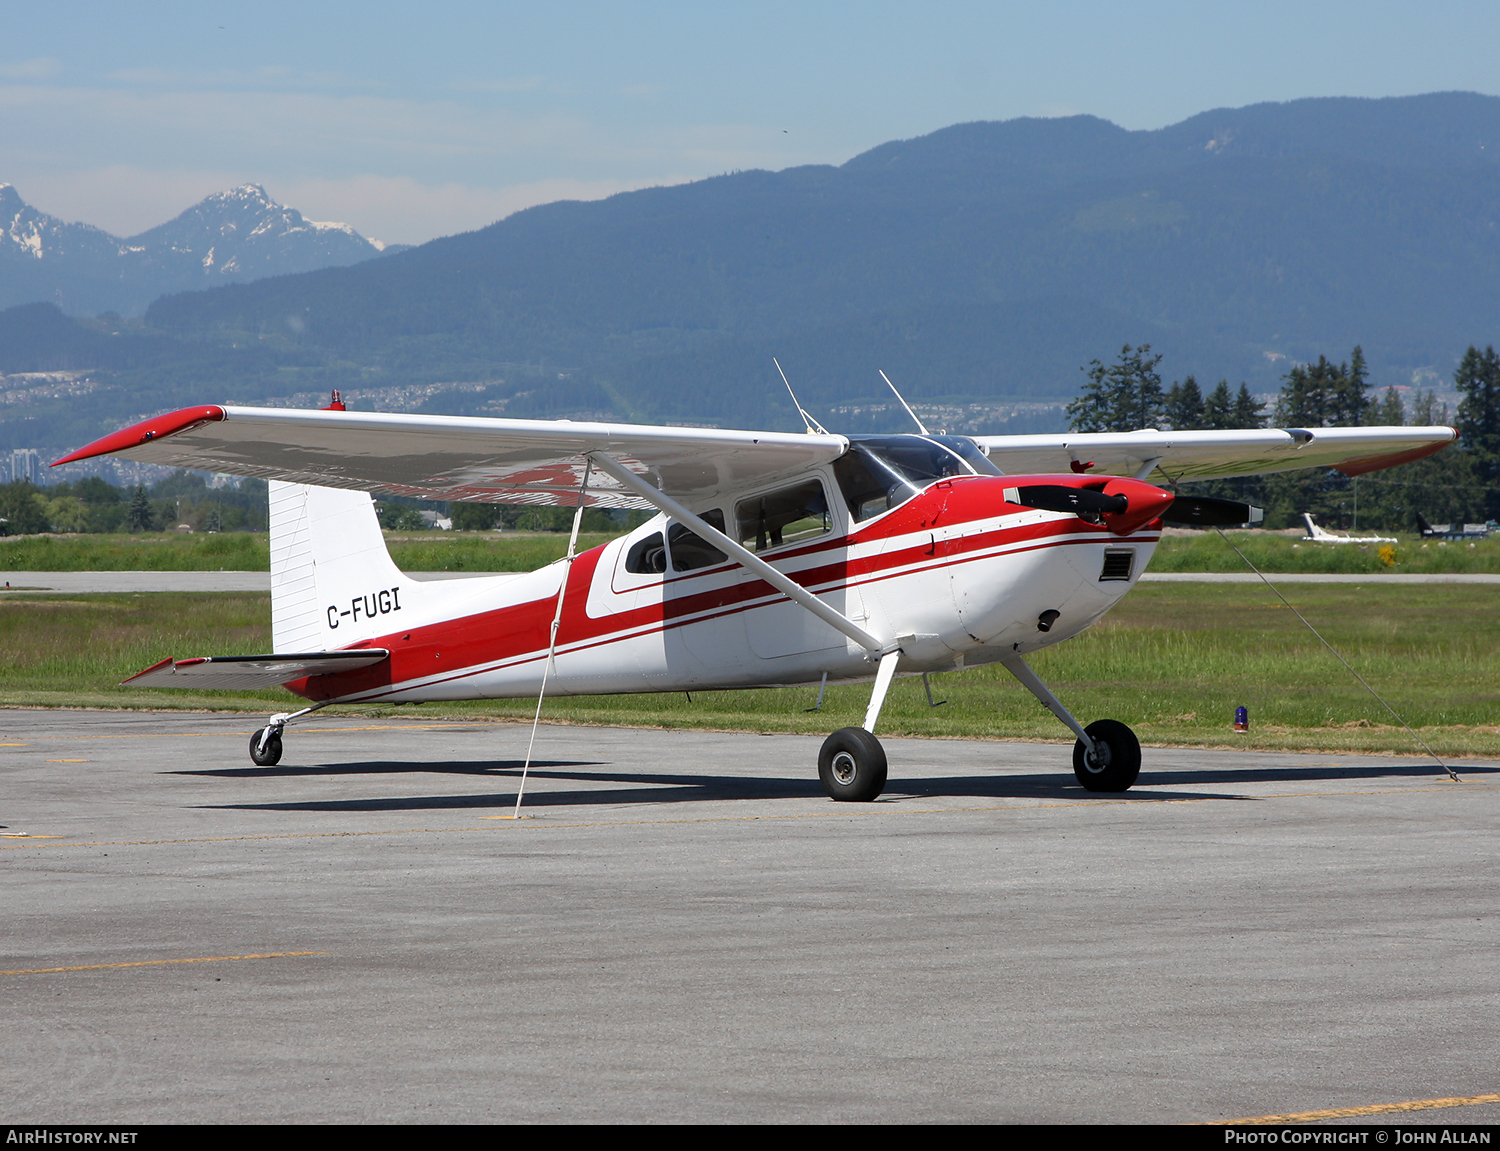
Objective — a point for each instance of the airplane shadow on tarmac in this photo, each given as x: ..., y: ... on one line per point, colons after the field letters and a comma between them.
x: 479, y: 767
x: 661, y: 788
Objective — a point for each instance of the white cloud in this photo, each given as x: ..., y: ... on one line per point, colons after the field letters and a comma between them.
x: 39, y: 69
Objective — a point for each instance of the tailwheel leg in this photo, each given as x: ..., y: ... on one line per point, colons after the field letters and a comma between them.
x: 265, y: 744
x: 851, y: 763
x: 1107, y: 756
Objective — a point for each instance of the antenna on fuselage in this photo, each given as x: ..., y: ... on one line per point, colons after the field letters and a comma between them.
x: 813, y: 427
x: 920, y: 426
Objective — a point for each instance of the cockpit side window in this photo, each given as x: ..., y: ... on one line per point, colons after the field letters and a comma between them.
x: 869, y: 487
x: 789, y: 515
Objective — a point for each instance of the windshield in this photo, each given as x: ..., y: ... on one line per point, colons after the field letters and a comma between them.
x: 878, y: 473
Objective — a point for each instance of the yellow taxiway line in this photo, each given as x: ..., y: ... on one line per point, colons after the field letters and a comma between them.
x: 1360, y: 1112
x: 160, y: 962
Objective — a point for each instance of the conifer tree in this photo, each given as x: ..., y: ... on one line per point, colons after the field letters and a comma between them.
x: 1122, y: 397
x: 1478, y: 381
x: 1247, y: 410
x: 1218, y: 409
x: 1389, y: 413
x: 139, y: 517
x: 1347, y: 399
x: 1184, y: 406
x: 1324, y: 395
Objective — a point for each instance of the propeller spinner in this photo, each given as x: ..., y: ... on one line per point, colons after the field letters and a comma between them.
x: 1123, y: 505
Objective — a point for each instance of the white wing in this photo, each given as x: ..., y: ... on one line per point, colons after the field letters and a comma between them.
x: 542, y: 462
x: 461, y: 458
x: 1210, y: 455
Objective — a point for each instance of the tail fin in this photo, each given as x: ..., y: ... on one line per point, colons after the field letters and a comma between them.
x: 332, y: 580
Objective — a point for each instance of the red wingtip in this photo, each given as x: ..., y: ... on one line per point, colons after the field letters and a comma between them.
x: 154, y: 667
x: 152, y: 429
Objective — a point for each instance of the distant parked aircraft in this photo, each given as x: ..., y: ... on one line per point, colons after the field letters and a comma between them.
x: 1318, y: 535
x: 1453, y: 531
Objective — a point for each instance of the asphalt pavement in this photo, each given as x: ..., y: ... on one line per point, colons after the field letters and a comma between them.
x: 681, y: 928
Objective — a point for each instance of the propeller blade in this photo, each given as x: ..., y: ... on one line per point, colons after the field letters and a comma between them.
x: 1057, y: 498
x: 1208, y: 512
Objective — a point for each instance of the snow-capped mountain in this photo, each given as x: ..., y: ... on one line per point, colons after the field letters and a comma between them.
x: 29, y: 234
x: 231, y: 237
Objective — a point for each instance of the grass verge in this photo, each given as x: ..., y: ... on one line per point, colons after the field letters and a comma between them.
x: 1173, y: 661
x: 525, y: 551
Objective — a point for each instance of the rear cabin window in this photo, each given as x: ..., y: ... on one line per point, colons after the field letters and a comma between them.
x: 787, y: 516
x: 647, y: 556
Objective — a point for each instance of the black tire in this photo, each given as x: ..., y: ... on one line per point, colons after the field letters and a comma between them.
x: 851, y: 765
x: 1120, y: 750
x: 271, y: 756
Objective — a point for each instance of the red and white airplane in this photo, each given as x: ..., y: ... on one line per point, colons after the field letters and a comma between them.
x: 777, y: 558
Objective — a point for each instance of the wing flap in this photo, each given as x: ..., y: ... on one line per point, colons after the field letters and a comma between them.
x: 248, y: 672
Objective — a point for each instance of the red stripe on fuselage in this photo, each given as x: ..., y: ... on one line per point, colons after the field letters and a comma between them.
x: 485, y: 641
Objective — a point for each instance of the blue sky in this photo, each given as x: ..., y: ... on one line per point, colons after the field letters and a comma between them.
x: 411, y: 122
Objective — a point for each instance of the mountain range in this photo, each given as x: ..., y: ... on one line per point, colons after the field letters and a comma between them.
x: 231, y: 237
x: 981, y: 266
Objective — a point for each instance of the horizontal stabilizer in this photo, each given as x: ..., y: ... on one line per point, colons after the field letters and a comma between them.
x: 247, y: 672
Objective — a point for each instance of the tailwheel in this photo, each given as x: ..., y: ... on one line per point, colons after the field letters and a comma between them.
x: 268, y: 755
x: 852, y: 766
x: 1117, y: 760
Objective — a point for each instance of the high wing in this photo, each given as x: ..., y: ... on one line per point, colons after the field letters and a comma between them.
x: 1213, y: 455
x: 460, y: 458
x: 542, y: 461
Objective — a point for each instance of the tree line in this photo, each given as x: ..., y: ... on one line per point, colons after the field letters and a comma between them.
x: 1461, y: 483
x: 96, y: 505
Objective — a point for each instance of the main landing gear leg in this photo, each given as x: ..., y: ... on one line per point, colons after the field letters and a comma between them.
x: 1107, y: 756
x: 265, y: 744
x: 851, y: 763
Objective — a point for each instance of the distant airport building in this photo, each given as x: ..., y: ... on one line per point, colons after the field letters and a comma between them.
x: 25, y: 464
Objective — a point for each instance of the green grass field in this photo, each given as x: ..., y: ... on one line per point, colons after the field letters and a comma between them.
x: 249, y: 551
x: 1173, y: 661
x: 525, y: 551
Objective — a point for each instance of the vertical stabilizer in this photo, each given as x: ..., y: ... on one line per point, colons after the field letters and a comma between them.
x: 332, y: 580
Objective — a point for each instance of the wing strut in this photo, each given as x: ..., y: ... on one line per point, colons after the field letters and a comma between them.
x: 748, y: 559
x: 551, y: 664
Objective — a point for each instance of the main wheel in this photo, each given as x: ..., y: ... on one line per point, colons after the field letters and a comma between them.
x: 1118, y: 762
x: 272, y: 754
x: 851, y: 765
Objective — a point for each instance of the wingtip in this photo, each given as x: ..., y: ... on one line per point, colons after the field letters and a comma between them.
x: 157, y: 427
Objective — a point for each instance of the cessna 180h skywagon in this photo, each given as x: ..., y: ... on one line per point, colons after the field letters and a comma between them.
x: 776, y: 559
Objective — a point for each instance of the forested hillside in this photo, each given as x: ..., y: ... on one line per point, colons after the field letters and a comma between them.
x: 985, y: 263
